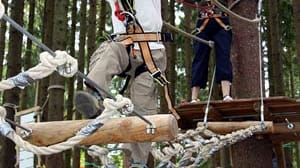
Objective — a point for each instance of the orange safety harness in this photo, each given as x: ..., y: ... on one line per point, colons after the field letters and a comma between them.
x: 135, y: 34
x: 207, y: 12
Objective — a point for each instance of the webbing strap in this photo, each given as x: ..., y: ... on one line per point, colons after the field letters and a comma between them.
x: 148, y: 59
x: 144, y: 37
x: 133, y: 27
x: 202, y: 27
x: 154, y: 71
x: 226, y: 27
x: 217, y: 19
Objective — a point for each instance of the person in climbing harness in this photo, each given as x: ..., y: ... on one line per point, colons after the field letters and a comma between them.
x: 134, y: 50
x: 212, y: 24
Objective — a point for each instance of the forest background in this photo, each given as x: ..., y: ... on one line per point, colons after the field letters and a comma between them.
x: 79, y: 27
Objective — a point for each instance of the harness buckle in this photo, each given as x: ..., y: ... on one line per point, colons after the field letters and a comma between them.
x: 159, y: 78
x: 227, y: 27
x: 157, y: 37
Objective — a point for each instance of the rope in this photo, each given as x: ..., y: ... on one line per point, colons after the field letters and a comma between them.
x: 192, y: 143
x: 231, y: 13
x: 111, y: 108
x: 209, y: 43
x: 259, y: 9
x: 101, y: 153
x: 62, y: 69
x: 47, y: 66
x: 234, y: 4
x: 193, y: 5
x: 209, y: 98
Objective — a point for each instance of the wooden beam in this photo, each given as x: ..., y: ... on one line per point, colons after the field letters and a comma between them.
x: 285, y: 138
x: 120, y: 130
x: 228, y: 127
x: 27, y: 111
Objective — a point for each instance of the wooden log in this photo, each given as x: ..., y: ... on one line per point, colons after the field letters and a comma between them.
x: 27, y: 111
x: 119, y: 130
x: 272, y: 128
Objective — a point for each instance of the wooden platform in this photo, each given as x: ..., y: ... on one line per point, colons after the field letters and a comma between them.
x: 276, y: 109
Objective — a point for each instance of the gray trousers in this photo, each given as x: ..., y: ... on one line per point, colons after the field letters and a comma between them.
x: 110, y: 59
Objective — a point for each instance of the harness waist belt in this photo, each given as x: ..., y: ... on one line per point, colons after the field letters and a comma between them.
x: 145, y: 37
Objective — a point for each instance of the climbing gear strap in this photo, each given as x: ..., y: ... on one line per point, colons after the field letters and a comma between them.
x: 202, y: 27
x: 216, y: 17
x: 143, y: 37
x: 136, y: 33
x: 221, y: 23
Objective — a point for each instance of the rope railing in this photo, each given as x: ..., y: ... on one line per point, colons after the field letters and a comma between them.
x: 233, y: 14
x: 111, y: 109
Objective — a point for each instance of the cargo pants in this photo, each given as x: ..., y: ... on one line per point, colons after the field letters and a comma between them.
x: 110, y: 59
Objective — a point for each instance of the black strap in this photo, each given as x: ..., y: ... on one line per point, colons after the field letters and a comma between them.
x: 140, y: 69
x: 128, y: 6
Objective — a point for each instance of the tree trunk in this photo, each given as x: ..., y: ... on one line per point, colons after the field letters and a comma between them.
x: 171, y: 57
x: 275, y: 49
x: 296, y: 11
x: 25, y: 99
x: 56, y: 90
x: 168, y: 14
x: 245, y: 59
x: 252, y: 152
x: 71, y: 81
x: 2, y: 39
x: 91, y: 43
x: 8, y: 153
x: 188, y: 51
x: 82, y: 42
x: 102, y: 19
x: 47, y: 40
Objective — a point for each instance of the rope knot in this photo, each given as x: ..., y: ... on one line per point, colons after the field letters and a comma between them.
x: 119, y: 103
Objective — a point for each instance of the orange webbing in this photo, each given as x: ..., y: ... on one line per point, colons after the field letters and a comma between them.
x: 168, y: 100
x: 202, y: 27
x: 143, y: 37
x: 221, y: 23
x: 147, y: 56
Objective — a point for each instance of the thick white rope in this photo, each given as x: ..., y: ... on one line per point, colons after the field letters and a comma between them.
x: 48, y: 64
x: 231, y: 13
x: 111, y: 109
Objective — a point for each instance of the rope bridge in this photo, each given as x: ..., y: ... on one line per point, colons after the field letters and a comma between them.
x: 200, y: 142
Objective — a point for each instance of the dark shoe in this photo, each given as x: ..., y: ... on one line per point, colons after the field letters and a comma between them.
x: 87, y: 105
